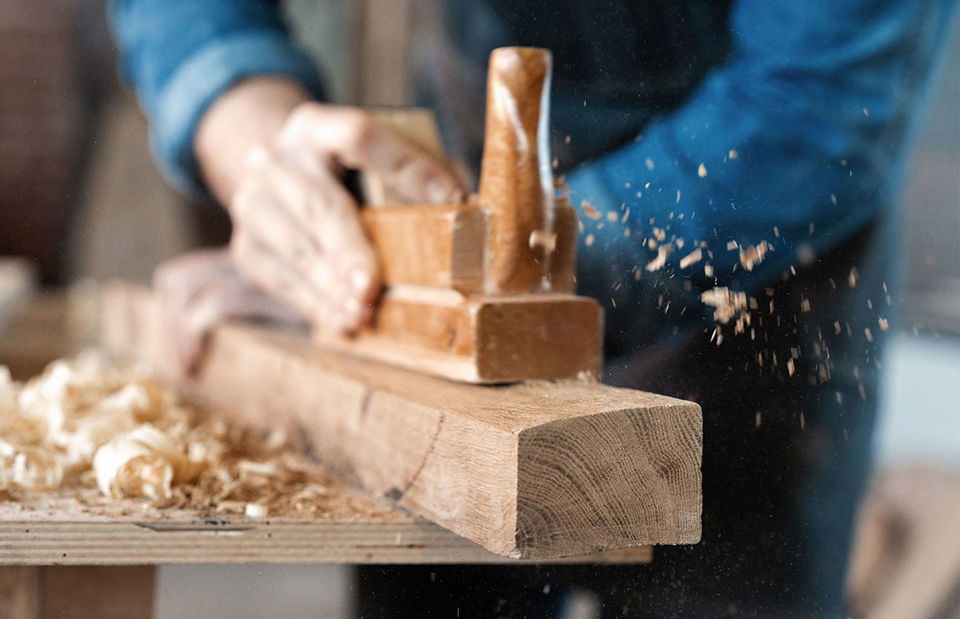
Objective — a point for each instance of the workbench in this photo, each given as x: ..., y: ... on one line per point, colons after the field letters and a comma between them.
x: 42, y: 535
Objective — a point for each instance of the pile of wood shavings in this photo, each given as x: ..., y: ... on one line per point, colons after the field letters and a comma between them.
x: 85, y: 423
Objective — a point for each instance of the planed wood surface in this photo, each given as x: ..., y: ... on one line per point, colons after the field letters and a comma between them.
x: 533, y: 470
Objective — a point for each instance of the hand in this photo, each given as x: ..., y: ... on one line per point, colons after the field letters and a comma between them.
x: 297, y: 232
x: 198, y: 290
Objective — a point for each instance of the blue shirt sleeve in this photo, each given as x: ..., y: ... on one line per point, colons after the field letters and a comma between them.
x: 180, y: 55
x: 792, y: 145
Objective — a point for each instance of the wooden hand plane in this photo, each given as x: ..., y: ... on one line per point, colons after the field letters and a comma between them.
x: 482, y: 292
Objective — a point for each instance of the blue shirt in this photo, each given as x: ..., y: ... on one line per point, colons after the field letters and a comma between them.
x: 723, y: 126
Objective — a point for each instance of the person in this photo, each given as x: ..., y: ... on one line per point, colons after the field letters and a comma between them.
x: 736, y: 164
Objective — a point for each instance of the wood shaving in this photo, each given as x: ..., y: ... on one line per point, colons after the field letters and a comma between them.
x: 657, y: 263
x: 753, y: 255
x: 692, y: 258
x: 85, y: 424
x: 590, y: 210
x: 728, y: 305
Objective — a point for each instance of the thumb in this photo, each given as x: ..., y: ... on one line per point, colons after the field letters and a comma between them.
x: 354, y: 139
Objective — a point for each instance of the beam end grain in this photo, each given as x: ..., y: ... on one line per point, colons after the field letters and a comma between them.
x: 578, y: 480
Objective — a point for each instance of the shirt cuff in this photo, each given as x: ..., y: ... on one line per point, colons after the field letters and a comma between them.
x: 202, y: 79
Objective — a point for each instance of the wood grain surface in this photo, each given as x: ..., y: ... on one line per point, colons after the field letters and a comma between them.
x: 533, y: 470
x: 62, y: 529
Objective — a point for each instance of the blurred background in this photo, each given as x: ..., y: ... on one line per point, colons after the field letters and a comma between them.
x: 81, y: 200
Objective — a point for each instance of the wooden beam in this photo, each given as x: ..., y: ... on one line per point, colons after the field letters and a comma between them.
x: 535, y: 470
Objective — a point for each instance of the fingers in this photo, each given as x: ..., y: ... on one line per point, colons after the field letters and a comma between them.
x: 199, y: 290
x: 315, y: 200
x: 309, y: 225
x: 355, y: 140
x: 270, y: 270
x: 297, y: 231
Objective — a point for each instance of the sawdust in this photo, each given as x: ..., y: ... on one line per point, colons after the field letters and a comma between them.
x: 92, y: 428
x: 590, y: 210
